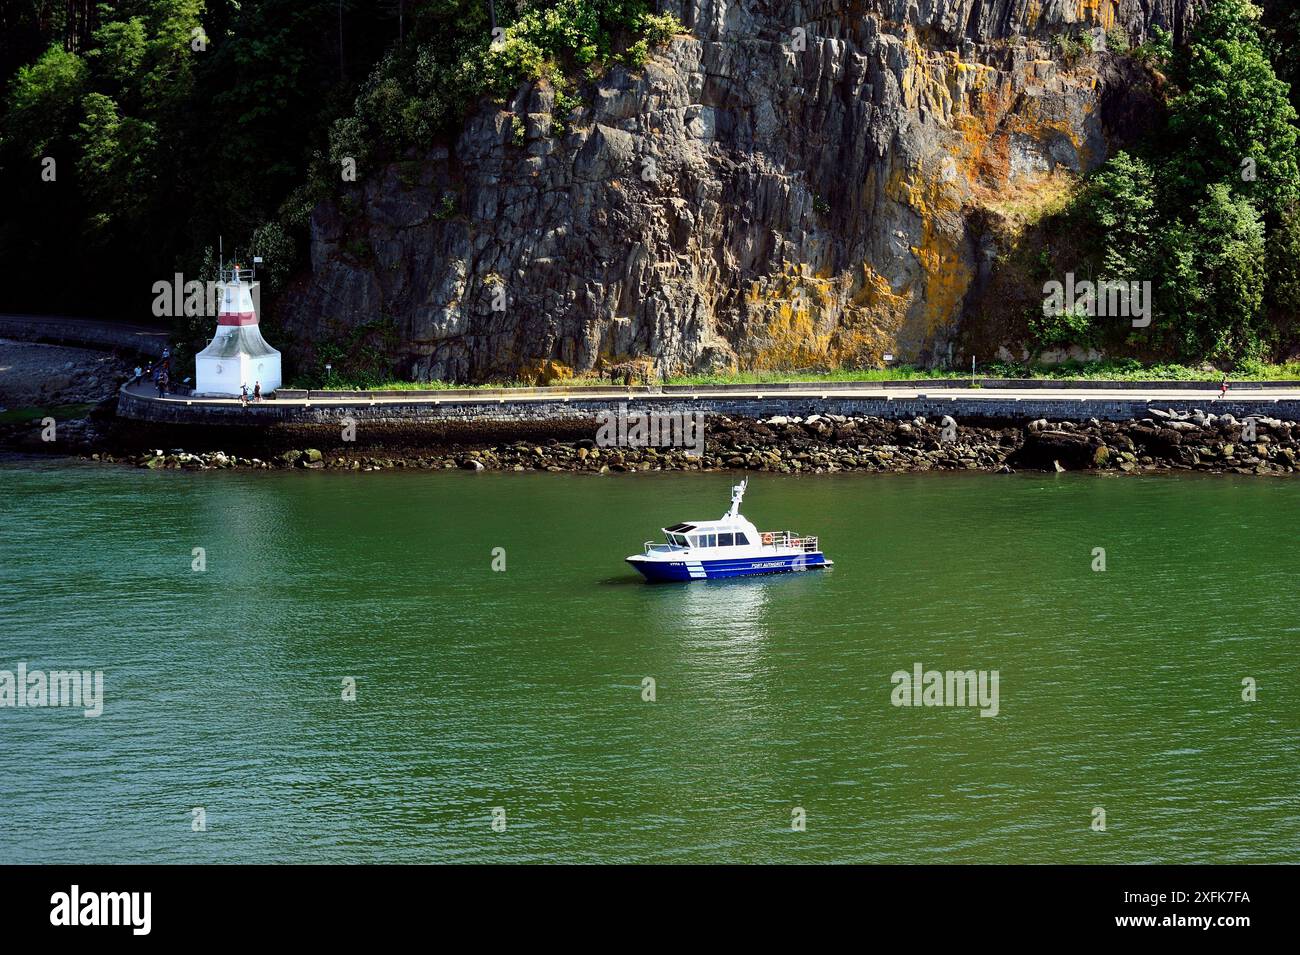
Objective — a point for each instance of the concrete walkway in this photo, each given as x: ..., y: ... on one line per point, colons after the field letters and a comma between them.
x: 1154, y: 397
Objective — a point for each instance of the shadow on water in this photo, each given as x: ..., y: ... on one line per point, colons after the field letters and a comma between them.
x: 624, y: 581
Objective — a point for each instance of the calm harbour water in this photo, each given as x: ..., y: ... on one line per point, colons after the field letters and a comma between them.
x: 522, y: 689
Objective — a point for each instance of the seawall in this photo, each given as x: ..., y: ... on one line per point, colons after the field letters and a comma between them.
x: 465, y: 414
x: 85, y: 333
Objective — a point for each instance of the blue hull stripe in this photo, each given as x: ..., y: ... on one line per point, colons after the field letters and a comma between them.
x: 716, y: 569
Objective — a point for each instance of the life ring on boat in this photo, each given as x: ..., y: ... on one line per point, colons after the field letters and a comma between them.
x: 767, y: 538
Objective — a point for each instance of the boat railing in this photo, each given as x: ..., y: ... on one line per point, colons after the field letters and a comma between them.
x: 789, y: 539
x: 651, y: 547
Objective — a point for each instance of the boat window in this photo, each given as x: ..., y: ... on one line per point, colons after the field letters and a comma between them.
x: 724, y: 540
x: 695, y: 540
x: 710, y: 540
x: 741, y: 540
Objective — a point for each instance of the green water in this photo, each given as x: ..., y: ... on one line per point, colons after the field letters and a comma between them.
x: 522, y: 689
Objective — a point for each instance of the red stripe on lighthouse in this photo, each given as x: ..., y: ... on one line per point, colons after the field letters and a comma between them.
x: 237, y: 318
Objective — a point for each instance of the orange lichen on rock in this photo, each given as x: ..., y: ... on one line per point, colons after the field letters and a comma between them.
x: 1030, y: 202
x: 544, y: 371
x: 924, y: 81
x: 793, y: 315
x: 872, y: 319
x: 937, y: 204
x: 998, y: 145
x: 1033, y: 14
x: 1103, y: 13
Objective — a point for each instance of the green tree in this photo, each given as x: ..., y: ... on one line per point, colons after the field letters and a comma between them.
x: 1233, y: 122
x: 276, y: 248
x: 1214, y: 284
x: 176, y: 28
x: 121, y: 46
x: 1120, y: 200
x: 116, y: 165
x: 43, y: 99
x: 1284, y: 267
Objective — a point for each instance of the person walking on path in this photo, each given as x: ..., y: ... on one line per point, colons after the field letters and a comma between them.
x: 162, y: 384
x: 257, y: 391
x: 1223, y: 386
x: 243, y: 394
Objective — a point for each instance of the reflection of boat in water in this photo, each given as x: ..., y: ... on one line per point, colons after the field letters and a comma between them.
x: 729, y: 547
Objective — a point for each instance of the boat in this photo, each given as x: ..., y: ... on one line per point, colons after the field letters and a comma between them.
x: 728, y: 547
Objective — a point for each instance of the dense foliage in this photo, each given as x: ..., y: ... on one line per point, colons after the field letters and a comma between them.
x: 1206, y: 211
x: 168, y: 123
x: 173, y: 122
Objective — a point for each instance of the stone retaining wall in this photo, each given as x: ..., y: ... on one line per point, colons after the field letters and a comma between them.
x: 460, y: 411
x: 86, y: 333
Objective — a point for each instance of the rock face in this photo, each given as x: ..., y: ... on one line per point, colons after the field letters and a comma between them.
x: 788, y: 185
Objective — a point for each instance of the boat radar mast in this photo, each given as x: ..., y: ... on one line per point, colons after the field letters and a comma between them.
x: 737, y: 493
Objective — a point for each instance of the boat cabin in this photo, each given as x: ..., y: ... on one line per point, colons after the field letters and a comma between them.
x: 722, y: 533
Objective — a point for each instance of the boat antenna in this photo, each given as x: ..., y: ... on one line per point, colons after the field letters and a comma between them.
x: 737, y: 493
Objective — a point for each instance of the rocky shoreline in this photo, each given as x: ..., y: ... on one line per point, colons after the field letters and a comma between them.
x: 819, y: 444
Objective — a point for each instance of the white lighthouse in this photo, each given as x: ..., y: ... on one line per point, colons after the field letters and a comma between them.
x: 238, y: 355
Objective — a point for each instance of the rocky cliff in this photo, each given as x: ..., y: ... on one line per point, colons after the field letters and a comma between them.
x: 786, y: 185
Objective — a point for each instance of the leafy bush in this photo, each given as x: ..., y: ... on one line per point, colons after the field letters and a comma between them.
x: 660, y: 28
x: 1121, y: 200
x: 1156, y: 52
x: 360, y: 357
x: 564, y: 104
x: 1070, y: 327
x: 1068, y: 48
